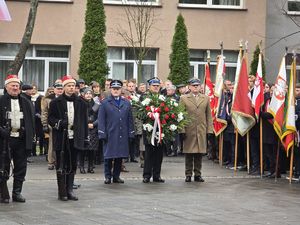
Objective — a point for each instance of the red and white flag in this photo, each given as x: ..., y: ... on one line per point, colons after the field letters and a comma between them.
x: 242, y: 112
x: 258, y: 90
x: 209, y: 91
x: 276, y: 107
x: 4, y: 13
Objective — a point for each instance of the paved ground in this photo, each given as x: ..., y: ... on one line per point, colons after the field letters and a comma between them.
x: 225, y: 198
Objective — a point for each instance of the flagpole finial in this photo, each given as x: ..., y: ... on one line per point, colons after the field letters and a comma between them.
x: 208, y: 56
x: 241, y: 43
x: 294, y: 54
x: 222, y: 47
x: 246, y: 46
x: 286, y: 50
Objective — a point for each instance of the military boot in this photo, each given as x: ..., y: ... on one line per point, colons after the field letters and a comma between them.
x: 70, y: 182
x: 61, y: 183
x: 16, y: 193
x: 4, y: 194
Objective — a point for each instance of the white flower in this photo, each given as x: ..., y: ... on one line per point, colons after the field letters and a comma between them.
x: 146, y: 101
x: 162, y: 98
x: 135, y: 98
x: 175, y: 104
x: 148, y: 127
x: 173, y: 127
x: 180, y: 117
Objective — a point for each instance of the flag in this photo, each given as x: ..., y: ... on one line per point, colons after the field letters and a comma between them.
x: 289, y: 127
x: 242, y: 112
x: 209, y: 91
x: 258, y: 90
x: 4, y: 13
x: 276, y: 107
x: 220, y: 111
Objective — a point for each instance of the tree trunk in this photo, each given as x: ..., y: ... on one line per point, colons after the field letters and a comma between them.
x: 15, y: 66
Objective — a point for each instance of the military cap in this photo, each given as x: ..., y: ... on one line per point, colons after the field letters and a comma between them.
x: 154, y: 81
x: 194, y: 81
x: 26, y: 87
x: 116, y: 84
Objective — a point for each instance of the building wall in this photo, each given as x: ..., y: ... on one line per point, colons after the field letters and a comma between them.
x: 63, y: 24
x: 278, y: 26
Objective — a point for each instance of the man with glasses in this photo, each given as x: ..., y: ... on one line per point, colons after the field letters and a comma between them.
x: 195, y: 139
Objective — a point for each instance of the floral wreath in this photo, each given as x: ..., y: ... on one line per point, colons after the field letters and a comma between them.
x: 162, y: 117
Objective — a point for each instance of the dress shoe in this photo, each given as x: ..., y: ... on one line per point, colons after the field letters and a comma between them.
x: 51, y: 167
x: 269, y: 174
x: 4, y: 200
x: 188, y: 179
x: 107, y: 181
x: 198, y: 179
x: 91, y: 170
x: 273, y: 176
x: 18, y: 198
x: 123, y: 169
x: 146, y: 180
x: 158, y: 180
x: 142, y: 166
x: 118, y: 180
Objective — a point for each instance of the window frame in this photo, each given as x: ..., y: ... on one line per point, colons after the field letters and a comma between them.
x: 128, y: 2
x: 47, y: 60
x: 294, y: 13
x: 209, y: 5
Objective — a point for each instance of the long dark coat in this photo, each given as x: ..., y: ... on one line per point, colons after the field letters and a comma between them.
x: 57, y: 112
x: 115, y: 126
x: 93, y: 118
x: 27, y: 108
x: 269, y: 134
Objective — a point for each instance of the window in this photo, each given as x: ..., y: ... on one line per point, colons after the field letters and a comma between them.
x: 43, y: 64
x: 198, y: 59
x: 123, y: 65
x: 132, y: 2
x: 293, y: 7
x: 226, y: 4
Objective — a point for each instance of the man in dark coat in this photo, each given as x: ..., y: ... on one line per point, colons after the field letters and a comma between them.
x: 115, y: 128
x: 68, y: 118
x: 153, y: 154
x: 16, y: 134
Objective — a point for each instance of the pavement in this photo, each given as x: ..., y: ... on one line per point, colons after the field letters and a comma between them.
x: 224, y: 198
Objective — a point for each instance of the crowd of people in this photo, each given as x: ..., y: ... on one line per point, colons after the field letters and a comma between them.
x: 75, y: 123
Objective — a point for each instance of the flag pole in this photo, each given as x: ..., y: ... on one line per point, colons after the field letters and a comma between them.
x: 277, y: 161
x: 248, y: 154
x: 236, y: 149
x: 221, y: 149
x: 291, y: 164
x: 261, y: 148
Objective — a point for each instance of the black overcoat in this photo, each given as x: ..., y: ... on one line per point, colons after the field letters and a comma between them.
x: 58, y: 111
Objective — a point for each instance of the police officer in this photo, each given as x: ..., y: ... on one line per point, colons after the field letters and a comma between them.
x: 153, y: 154
x: 69, y: 121
x: 115, y: 128
x: 16, y: 134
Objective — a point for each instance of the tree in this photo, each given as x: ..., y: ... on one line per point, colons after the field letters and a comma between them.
x: 140, y: 18
x: 92, y: 63
x: 15, y: 66
x: 179, y: 58
x: 254, y: 63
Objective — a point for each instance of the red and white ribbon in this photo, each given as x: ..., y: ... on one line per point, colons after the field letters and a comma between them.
x: 154, y: 114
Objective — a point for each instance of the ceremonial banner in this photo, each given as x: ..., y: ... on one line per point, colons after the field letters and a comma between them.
x: 258, y: 90
x: 4, y: 13
x: 276, y: 107
x: 209, y: 91
x: 289, y: 127
x: 220, y: 112
x: 242, y: 112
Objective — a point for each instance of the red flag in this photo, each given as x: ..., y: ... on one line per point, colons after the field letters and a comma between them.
x: 209, y: 91
x: 4, y: 14
x: 258, y: 90
x: 242, y: 111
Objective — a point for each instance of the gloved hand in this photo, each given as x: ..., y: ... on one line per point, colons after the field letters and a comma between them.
x: 4, y: 132
x: 46, y: 129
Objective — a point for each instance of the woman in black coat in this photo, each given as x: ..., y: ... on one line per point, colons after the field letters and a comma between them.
x: 93, y: 133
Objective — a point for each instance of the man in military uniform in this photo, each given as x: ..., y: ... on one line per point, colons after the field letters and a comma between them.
x: 16, y: 134
x: 69, y: 121
x: 115, y: 128
x: 197, y: 106
x: 153, y: 154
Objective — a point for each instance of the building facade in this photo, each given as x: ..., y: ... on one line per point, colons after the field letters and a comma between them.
x: 56, y: 41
